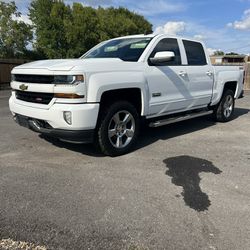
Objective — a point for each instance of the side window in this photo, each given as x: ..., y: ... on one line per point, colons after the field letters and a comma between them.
x: 195, y: 53
x: 168, y: 44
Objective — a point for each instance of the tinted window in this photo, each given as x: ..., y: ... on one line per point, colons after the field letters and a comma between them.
x: 128, y: 49
x: 168, y: 44
x: 195, y: 53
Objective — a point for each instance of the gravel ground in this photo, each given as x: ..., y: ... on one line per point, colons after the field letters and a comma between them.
x: 186, y: 186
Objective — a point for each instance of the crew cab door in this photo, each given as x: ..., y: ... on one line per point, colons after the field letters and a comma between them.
x: 168, y: 83
x: 200, y: 73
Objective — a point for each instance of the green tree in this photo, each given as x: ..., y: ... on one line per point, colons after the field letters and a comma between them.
x: 63, y: 31
x: 39, y: 13
x: 82, y: 29
x: 88, y: 26
x: 232, y: 54
x: 14, y: 35
x: 121, y: 22
x: 219, y: 53
x: 48, y: 19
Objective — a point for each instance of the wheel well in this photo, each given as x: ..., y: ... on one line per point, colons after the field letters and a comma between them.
x: 230, y: 85
x: 132, y: 95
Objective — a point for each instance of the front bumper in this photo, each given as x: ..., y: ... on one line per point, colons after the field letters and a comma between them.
x: 50, y: 120
x: 39, y: 126
x: 84, y: 116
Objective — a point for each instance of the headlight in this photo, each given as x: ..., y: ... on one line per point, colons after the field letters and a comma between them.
x: 68, y: 79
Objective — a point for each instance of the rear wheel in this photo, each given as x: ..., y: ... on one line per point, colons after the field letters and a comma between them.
x: 118, y: 128
x: 225, y: 109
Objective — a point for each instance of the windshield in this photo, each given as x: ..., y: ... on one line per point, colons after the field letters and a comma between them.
x: 127, y: 49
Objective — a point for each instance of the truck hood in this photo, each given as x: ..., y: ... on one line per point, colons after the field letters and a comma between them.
x: 99, y: 64
x: 60, y: 64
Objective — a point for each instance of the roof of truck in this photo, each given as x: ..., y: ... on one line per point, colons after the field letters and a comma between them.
x: 138, y: 35
x: 161, y: 34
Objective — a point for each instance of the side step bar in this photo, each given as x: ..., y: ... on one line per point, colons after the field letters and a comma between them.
x: 159, y: 123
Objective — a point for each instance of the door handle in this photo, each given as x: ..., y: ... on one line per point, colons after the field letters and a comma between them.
x: 182, y: 73
x: 209, y: 73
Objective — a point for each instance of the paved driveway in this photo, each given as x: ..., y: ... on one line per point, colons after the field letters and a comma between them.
x: 187, y: 186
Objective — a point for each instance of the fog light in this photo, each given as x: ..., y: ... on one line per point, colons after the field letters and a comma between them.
x: 67, y: 117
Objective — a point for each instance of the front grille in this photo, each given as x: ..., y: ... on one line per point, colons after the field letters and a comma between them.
x: 35, y: 97
x: 34, y: 78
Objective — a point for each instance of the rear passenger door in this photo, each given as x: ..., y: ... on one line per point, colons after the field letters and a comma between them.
x: 199, y: 72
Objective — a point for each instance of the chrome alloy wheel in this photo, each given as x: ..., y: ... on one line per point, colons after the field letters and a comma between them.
x: 121, y: 129
x: 228, y: 106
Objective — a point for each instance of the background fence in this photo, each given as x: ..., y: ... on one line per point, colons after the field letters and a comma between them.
x: 247, y: 76
x: 6, y: 65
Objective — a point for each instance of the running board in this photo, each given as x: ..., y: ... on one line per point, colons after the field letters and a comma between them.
x: 179, y: 118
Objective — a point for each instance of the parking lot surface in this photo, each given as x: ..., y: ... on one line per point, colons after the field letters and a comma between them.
x: 186, y: 186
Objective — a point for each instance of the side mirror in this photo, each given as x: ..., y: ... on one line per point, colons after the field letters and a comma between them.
x: 162, y: 57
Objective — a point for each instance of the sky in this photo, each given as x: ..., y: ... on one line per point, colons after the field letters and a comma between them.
x: 221, y: 24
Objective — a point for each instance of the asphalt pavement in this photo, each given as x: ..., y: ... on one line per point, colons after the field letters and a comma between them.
x: 186, y: 186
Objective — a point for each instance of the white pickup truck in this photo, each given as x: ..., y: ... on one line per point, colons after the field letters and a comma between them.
x: 102, y: 96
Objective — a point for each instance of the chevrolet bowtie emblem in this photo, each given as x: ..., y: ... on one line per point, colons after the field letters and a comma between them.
x: 23, y: 87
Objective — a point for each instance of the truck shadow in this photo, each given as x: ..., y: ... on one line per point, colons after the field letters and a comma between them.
x: 150, y: 135
x: 239, y: 112
x: 86, y: 149
x: 184, y: 171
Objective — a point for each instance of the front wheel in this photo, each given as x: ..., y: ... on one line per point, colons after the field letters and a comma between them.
x: 118, y: 128
x: 225, y: 109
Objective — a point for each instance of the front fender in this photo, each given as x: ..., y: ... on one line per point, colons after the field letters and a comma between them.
x: 99, y: 83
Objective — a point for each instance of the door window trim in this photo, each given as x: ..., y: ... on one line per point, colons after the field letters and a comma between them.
x: 184, y: 50
x: 180, y: 49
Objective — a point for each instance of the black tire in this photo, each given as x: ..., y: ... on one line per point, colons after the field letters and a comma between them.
x: 224, y: 111
x: 115, y: 136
